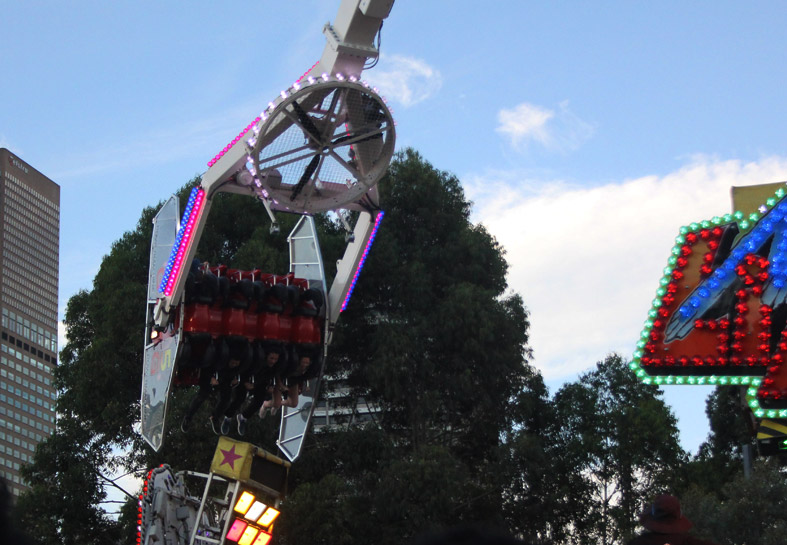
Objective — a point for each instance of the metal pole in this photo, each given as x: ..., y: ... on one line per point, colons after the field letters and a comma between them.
x: 747, y: 461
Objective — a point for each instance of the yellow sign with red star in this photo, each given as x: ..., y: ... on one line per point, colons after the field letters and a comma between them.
x: 232, y: 459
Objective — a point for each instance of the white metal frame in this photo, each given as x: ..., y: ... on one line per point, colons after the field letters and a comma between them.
x: 350, y: 43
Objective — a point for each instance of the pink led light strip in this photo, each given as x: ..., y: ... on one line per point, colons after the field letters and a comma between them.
x: 185, y: 242
x: 234, y: 141
x: 307, y: 72
x: 249, y: 126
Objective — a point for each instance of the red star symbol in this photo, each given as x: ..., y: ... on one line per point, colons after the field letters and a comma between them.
x: 230, y: 457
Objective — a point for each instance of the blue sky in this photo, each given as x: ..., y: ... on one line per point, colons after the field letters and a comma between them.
x: 585, y: 133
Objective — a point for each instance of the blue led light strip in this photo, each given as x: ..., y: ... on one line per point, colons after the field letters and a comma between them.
x: 768, y: 223
x: 774, y: 224
x: 181, y: 239
x: 363, y: 260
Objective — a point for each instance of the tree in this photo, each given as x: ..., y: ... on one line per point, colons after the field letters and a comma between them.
x: 720, y: 457
x: 97, y: 378
x: 431, y: 335
x: 535, y: 495
x: 99, y: 374
x: 431, y: 332
x: 617, y: 441
x: 717, y: 497
x: 751, y: 511
x: 62, y: 505
x: 731, y: 425
x: 433, y: 338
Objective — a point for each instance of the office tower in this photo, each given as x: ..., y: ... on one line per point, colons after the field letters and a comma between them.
x: 30, y: 240
x: 336, y: 408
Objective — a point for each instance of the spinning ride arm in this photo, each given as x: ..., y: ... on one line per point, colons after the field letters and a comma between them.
x: 320, y: 145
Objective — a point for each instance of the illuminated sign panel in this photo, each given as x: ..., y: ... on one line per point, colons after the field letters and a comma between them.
x: 720, y: 312
x: 253, y: 520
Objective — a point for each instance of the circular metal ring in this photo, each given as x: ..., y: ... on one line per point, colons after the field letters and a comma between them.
x: 321, y: 145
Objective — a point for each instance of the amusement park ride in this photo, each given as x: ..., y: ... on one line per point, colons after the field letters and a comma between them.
x: 321, y: 145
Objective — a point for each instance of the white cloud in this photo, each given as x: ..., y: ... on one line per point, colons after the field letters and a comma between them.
x: 62, y: 335
x: 525, y: 122
x: 406, y: 80
x: 559, y: 130
x: 157, y: 146
x: 587, y: 260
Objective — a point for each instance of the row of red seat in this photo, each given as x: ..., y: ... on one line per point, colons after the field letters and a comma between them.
x: 252, y: 305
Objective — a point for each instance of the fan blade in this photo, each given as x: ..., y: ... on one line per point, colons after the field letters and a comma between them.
x: 372, y: 111
x: 310, y: 168
x: 347, y: 137
x: 307, y: 122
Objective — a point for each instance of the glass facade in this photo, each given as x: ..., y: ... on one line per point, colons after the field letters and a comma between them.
x: 29, y: 244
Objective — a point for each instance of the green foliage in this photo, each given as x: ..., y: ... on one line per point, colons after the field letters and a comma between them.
x: 720, y: 457
x: 392, y: 496
x: 539, y: 501
x: 466, y: 431
x: 99, y: 374
x: 99, y: 371
x: 751, y: 511
x: 432, y: 338
x: 430, y: 333
x: 616, y: 445
x: 65, y: 490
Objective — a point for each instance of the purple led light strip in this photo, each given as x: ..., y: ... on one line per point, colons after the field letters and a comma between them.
x: 363, y: 260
